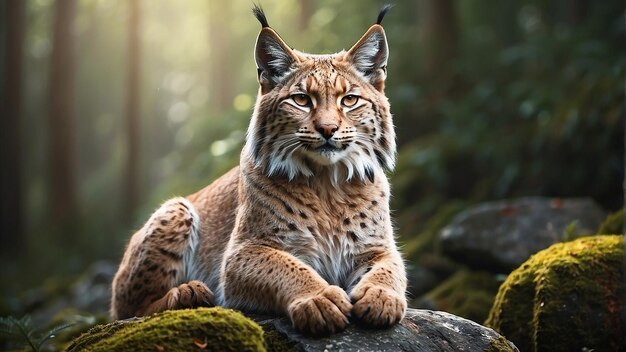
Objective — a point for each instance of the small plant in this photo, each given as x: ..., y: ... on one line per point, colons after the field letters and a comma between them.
x: 570, y: 232
x: 23, y: 331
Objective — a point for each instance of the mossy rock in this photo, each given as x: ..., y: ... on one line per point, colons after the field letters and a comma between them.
x: 469, y: 294
x: 568, y: 297
x: 207, y: 329
x: 614, y: 223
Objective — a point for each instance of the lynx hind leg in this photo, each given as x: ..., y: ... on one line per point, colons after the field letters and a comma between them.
x: 157, y: 261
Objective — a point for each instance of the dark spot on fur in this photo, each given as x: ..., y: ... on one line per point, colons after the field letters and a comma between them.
x: 362, y: 215
x: 363, y: 225
x: 292, y: 226
x: 346, y: 221
x: 164, y: 222
x: 170, y: 254
x: 352, y: 235
x: 303, y: 215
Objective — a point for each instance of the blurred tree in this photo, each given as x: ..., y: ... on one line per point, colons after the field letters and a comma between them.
x: 221, y: 79
x: 131, y: 194
x: 11, y: 151
x: 576, y: 11
x: 441, y: 34
x: 61, y: 123
x: 307, y: 8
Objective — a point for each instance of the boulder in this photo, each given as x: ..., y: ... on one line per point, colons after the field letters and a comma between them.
x: 499, y: 236
x: 209, y: 329
x: 569, y: 297
x: 218, y: 329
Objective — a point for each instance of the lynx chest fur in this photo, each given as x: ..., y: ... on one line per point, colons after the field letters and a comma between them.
x: 301, y: 227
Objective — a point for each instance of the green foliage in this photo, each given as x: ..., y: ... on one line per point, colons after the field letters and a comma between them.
x: 23, y: 332
x: 532, y: 113
x: 467, y: 294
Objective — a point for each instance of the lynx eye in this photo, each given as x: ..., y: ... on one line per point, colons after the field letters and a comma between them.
x: 350, y: 100
x: 301, y: 99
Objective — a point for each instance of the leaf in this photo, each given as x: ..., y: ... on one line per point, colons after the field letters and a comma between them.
x: 201, y: 344
x: 50, y: 334
x: 24, y: 330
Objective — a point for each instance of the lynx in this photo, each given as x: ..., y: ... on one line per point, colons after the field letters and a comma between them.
x: 302, y: 226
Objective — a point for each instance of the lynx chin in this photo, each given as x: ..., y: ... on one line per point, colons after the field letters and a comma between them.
x: 302, y: 226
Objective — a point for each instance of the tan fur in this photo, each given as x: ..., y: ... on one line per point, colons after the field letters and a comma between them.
x: 293, y: 229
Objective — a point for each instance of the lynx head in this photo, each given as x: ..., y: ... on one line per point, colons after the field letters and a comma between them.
x: 319, y: 115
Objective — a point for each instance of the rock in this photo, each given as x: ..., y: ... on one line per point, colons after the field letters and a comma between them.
x: 500, y: 236
x: 569, y: 297
x: 219, y: 329
x: 208, y: 329
x: 469, y: 294
x: 420, y: 330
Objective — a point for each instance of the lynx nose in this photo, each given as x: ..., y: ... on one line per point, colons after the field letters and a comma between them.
x: 326, y: 129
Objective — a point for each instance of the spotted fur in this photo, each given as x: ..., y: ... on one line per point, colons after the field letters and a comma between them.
x: 302, y: 226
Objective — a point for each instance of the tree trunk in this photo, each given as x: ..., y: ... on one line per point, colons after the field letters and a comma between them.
x: 221, y: 86
x: 576, y: 11
x: 131, y: 196
x: 61, y: 123
x: 440, y: 30
x: 10, y: 169
x: 307, y: 8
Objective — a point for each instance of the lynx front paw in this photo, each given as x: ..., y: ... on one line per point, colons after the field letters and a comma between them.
x: 325, y: 312
x: 378, y: 306
x: 190, y: 295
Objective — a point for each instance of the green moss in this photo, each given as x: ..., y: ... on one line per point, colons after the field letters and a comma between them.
x: 178, y: 330
x: 275, y: 341
x: 499, y: 344
x: 614, y: 223
x: 566, y: 297
x: 468, y: 294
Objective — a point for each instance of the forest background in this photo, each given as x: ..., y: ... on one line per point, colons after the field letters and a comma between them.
x: 109, y: 107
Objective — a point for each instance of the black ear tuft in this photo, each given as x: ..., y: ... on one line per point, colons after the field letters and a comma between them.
x: 260, y: 15
x: 383, y: 12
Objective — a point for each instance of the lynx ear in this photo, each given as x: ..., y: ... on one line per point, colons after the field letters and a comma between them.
x: 272, y: 56
x: 369, y: 56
